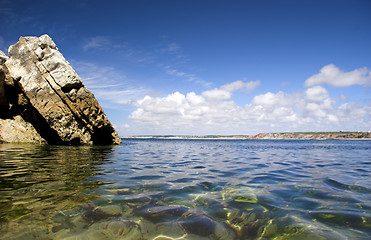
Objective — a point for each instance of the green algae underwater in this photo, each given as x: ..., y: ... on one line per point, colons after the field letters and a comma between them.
x: 187, y: 189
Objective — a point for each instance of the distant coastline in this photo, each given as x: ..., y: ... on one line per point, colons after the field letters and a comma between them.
x: 283, y: 136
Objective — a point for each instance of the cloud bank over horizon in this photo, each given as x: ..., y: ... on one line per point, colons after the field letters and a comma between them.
x: 215, y: 112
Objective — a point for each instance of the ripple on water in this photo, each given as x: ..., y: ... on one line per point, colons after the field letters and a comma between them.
x: 269, y: 179
x: 342, y: 186
x: 225, y: 190
x: 147, y: 177
x: 199, y: 167
x: 184, y: 180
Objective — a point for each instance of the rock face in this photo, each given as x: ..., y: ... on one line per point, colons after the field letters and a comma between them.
x: 17, y: 130
x: 41, y: 86
x: 3, y: 99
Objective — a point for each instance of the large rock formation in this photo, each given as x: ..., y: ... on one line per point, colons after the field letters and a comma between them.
x: 41, y: 86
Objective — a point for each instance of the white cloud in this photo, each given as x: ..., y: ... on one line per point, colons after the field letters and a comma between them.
x: 172, y: 48
x: 270, y: 99
x: 96, y: 42
x: 319, y: 105
x: 214, y: 112
x: 333, y: 76
x: 225, y: 92
x: 316, y: 94
x: 109, y: 85
x: 172, y: 104
x: 187, y: 76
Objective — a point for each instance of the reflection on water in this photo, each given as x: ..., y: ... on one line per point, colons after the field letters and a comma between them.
x: 187, y: 189
x: 37, y: 180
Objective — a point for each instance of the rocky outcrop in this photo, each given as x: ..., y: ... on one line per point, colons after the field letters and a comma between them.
x: 41, y: 86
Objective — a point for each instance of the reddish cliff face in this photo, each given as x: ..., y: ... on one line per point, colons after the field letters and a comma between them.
x: 314, y: 135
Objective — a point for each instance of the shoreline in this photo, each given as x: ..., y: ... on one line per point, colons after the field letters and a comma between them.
x: 267, y: 136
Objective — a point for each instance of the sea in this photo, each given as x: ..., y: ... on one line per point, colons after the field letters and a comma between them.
x: 178, y: 189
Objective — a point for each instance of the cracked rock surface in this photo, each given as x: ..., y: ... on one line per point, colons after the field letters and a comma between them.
x: 54, y: 99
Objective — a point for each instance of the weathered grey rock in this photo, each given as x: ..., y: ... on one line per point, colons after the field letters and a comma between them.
x: 57, y: 94
x: 3, y: 57
x: 3, y: 100
x: 18, y: 130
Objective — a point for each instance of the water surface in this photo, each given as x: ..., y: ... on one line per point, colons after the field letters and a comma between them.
x: 187, y: 189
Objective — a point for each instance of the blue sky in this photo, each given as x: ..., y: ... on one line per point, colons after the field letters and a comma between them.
x: 212, y: 67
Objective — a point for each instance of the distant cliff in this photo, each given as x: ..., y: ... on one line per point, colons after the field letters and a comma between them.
x: 43, y: 100
x: 293, y: 135
x: 314, y: 135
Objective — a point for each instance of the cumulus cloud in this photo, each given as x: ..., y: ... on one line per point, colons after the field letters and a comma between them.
x: 214, y: 112
x: 271, y: 99
x: 226, y: 91
x: 333, y: 76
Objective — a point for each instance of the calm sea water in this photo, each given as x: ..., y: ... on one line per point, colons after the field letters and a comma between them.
x: 187, y: 189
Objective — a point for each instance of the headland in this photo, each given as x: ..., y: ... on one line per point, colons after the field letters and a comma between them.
x: 284, y: 136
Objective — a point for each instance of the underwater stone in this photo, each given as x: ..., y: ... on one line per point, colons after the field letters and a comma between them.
x: 158, y: 213
x: 113, y: 210
x: 96, y: 214
x: 120, y: 228
x: 200, y: 225
x: 270, y: 230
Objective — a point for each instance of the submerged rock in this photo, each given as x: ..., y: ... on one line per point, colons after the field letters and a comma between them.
x: 161, y: 213
x: 199, y: 225
x: 92, y: 214
x: 49, y: 94
x: 121, y: 228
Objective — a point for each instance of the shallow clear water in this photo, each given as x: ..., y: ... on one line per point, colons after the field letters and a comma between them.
x: 187, y: 189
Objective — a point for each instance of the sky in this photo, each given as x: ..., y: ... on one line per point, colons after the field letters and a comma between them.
x: 212, y: 67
